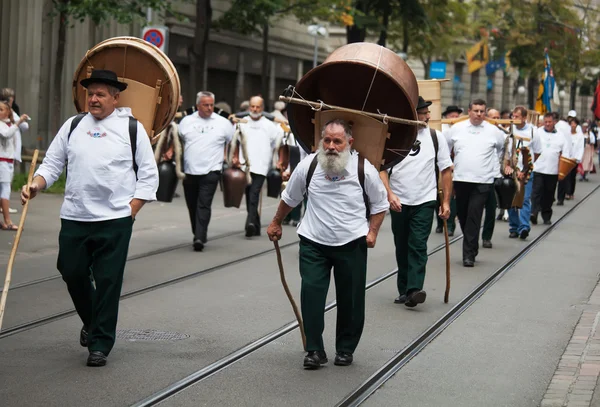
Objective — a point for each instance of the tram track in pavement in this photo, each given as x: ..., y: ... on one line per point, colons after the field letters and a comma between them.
x: 67, y: 313
x: 254, y: 346
x: 367, y: 388
x: 138, y: 256
x: 361, y: 393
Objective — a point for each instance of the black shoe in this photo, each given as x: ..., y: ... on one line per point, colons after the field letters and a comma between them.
x: 439, y: 229
x: 524, y: 234
x: 250, y: 230
x: 499, y: 217
x: 96, y: 359
x: 450, y: 233
x: 198, y: 245
x: 414, y: 298
x: 533, y: 219
x: 285, y: 222
x: 487, y: 244
x: 401, y: 299
x: 547, y: 222
x: 343, y: 359
x: 468, y: 263
x: 560, y: 203
x: 83, y: 335
x: 314, y: 359
x: 513, y: 235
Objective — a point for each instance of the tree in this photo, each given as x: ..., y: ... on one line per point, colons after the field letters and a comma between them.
x: 255, y: 16
x: 197, y: 53
x: 68, y: 11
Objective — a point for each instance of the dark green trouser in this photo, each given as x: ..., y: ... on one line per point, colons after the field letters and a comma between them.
x: 489, y: 221
x: 349, y: 264
x: 95, y: 251
x: 451, y: 220
x: 411, y: 229
x: 295, y: 214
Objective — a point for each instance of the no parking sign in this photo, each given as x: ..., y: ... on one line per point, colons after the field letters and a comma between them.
x: 156, y: 35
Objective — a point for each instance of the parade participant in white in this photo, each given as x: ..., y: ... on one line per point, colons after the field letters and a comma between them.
x: 260, y: 136
x: 334, y: 233
x: 412, y: 190
x: 518, y: 219
x: 103, y: 195
x: 576, y: 141
x: 205, y: 136
x: 547, y: 147
x: 476, y: 145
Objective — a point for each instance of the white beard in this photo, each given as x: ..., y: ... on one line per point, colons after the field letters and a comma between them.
x: 333, y: 164
x: 255, y: 115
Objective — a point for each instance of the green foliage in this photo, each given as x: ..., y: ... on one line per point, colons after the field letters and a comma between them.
x: 58, y: 187
x: 123, y: 11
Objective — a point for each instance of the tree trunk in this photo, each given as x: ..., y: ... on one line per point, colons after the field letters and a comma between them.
x: 355, y: 34
x: 264, y: 80
x: 532, y: 91
x: 197, y: 53
x: 573, y: 94
x: 405, y: 36
x: 55, y: 117
x: 426, y: 65
x: 386, y: 20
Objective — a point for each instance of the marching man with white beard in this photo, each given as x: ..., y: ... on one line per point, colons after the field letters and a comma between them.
x: 335, y: 232
x: 412, y: 191
x: 260, y: 136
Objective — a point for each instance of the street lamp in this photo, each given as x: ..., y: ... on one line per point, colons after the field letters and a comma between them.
x: 316, y: 30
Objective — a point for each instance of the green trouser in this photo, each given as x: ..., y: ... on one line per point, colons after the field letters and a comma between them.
x: 411, y: 229
x: 451, y: 220
x: 95, y: 251
x: 489, y: 221
x: 349, y: 264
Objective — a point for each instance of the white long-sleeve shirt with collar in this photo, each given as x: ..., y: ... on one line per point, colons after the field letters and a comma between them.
x: 204, y: 142
x: 476, y: 151
x: 23, y: 127
x: 565, y: 130
x: 8, y: 139
x: 577, y: 146
x: 335, y: 213
x: 101, y: 181
x: 549, y: 146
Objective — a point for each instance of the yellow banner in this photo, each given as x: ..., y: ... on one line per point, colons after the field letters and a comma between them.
x: 478, y: 56
x: 539, y: 104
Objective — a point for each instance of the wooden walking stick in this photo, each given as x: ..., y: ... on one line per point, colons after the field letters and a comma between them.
x: 289, y: 294
x: 447, y: 292
x: 13, y: 252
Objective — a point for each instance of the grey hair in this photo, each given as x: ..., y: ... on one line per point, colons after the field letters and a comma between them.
x: 113, y: 91
x: 204, y: 94
x: 347, y: 127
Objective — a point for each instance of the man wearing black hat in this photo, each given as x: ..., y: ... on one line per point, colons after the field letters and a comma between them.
x: 451, y: 112
x: 111, y: 175
x: 412, y: 192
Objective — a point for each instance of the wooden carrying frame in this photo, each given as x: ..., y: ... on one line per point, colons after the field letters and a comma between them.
x: 369, y: 134
x: 431, y: 90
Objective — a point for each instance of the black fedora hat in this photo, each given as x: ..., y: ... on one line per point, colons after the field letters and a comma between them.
x: 104, y: 76
x: 423, y: 104
x: 452, y: 108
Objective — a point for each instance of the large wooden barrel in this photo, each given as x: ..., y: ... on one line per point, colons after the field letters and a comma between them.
x: 153, y: 84
x: 362, y: 76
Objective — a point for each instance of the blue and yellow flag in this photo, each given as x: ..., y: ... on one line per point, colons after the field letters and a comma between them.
x: 546, y: 89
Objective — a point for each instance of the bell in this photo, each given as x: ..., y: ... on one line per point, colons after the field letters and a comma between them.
x: 274, y: 181
x: 505, y: 189
x: 234, y: 186
x: 167, y: 181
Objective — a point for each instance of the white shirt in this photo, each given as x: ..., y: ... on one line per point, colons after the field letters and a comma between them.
x: 413, y: 179
x: 476, y: 149
x: 335, y: 213
x: 549, y: 146
x: 261, y: 136
x: 565, y: 129
x: 204, y: 142
x: 524, y: 137
x: 577, y: 145
x: 23, y: 127
x: 8, y: 139
x: 101, y: 182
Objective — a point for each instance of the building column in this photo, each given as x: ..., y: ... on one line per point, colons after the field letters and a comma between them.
x: 272, y: 93
x: 239, y: 83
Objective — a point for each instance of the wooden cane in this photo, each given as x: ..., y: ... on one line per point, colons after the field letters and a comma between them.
x: 13, y: 252
x: 447, y: 292
x: 289, y: 294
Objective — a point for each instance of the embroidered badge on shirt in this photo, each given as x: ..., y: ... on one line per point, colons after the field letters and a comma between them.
x: 96, y: 132
x: 334, y: 178
x: 203, y: 129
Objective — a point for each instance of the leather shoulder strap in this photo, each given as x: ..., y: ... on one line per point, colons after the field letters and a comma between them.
x: 133, y: 139
x: 436, y: 146
x: 75, y: 123
x: 311, y: 171
x: 361, y: 181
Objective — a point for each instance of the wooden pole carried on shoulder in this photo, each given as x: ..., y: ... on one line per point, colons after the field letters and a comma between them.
x: 13, y: 252
x: 289, y: 294
x: 447, y: 241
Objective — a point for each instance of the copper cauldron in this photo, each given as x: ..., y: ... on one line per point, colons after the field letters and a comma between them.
x: 355, y: 75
